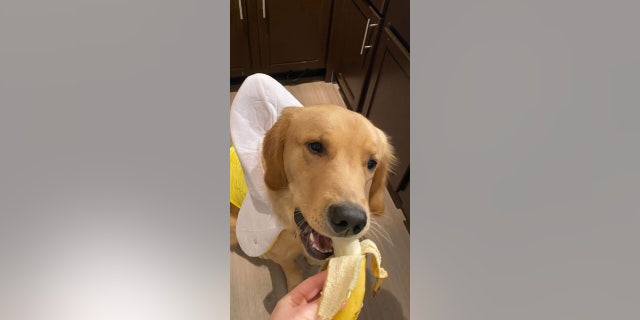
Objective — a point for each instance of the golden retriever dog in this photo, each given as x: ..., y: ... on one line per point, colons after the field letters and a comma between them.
x: 325, y: 170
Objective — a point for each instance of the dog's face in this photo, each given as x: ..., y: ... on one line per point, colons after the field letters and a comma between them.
x: 318, y: 163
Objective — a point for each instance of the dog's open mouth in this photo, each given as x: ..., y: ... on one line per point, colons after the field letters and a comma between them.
x: 317, y: 245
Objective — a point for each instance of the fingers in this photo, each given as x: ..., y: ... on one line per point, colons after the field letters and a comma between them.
x: 308, y: 289
x: 310, y: 310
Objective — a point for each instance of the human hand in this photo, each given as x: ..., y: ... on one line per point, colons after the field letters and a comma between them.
x: 302, y: 302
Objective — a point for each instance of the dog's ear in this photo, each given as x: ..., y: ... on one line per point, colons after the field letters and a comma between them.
x: 379, y: 183
x: 273, y: 150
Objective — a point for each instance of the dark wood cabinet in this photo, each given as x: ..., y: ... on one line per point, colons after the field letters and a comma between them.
x: 386, y: 97
x: 397, y: 20
x: 240, y: 54
x: 404, y: 197
x: 354, y: 35
x: 387, y: 101
x: 379, y: 5
x: 281, y: 35
x: 294, y: 34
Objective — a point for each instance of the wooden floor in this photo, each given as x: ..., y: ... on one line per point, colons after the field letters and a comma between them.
x: 312, y: 92
x: 256, y: 284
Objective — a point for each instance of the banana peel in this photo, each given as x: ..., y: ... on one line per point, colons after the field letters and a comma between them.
x: 346, y: 278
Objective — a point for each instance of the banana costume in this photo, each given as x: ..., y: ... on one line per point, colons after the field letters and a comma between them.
x: 237, y: 186
x: 255, y: 109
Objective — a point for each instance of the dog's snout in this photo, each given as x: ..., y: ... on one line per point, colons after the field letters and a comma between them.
x: 347, y: 219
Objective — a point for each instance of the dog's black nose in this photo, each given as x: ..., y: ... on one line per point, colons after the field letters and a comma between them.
x: 347, y: 219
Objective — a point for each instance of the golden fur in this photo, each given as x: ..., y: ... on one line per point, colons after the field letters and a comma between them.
x: 297, y: 178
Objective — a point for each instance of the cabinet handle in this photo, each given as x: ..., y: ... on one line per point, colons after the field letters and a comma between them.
x: 264, y: 10
x: 240, y: 8
x: 364, y: 39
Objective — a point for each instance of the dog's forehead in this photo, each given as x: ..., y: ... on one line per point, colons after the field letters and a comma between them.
x: 332, y: 120
x: 336, y: 126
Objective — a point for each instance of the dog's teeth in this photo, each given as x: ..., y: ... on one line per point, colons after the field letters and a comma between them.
x: 312, y: 238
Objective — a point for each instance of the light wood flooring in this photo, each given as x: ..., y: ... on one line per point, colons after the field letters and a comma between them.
x: 256, y: 284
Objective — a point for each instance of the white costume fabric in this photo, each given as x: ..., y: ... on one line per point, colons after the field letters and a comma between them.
x: 255, y: 109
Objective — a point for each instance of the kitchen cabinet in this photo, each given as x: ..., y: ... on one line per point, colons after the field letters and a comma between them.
x: 387, y: 101
x: 379, y: 5
x: 354, y: 34
x: 240, y: 57
x: 387, y: 96
x: 281, y: 35
x: 397, y: 20
x: 404, y: 199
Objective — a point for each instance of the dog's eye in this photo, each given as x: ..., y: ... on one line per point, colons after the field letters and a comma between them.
x: 371, y: 164
x: 315, y: 147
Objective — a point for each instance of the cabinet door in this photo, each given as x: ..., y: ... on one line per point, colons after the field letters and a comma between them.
x: 355, y: 33
x: 293, y: 34
x: 397, y: 20
x: 240, y: 60
x: 387, y: 101
x: 378, y: 5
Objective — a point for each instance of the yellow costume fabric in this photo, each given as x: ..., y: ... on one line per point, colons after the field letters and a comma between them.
x: 237, y: 185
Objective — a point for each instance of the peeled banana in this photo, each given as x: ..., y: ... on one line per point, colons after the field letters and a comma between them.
x: 346, y: 275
